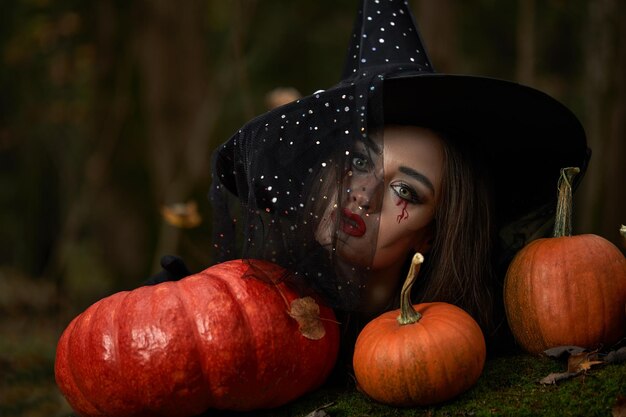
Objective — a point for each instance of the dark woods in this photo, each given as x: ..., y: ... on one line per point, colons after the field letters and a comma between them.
x: 110, y: 110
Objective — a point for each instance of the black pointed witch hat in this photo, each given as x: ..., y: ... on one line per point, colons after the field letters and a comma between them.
x: 385, y: 36
x: 524, y: 135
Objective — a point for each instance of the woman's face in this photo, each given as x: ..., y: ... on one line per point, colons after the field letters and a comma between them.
x: 386, y: 211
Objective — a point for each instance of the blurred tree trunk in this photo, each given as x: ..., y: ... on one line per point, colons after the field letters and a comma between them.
x: 602, y: 202
x: 525, y: 63
x: 437, y: 23
x: 84, y: 192
x: 170, y: 45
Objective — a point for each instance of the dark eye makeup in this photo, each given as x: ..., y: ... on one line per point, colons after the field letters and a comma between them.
x: 406, y: 192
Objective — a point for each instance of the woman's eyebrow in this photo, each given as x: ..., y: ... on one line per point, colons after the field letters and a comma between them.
x: 419, y: 177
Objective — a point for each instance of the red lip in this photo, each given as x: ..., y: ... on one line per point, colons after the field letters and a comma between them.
x: 352, y: 224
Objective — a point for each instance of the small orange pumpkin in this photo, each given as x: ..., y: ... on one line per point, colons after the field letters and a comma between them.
x: 419, y: 355
x: 566, y: 290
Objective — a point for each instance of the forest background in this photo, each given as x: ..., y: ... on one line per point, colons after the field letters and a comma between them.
x: 109, y: 111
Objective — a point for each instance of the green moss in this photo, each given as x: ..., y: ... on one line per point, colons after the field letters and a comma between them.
x: 509, y: 386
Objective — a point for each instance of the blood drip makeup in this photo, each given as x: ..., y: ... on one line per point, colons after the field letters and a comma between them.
x: 404, y: 214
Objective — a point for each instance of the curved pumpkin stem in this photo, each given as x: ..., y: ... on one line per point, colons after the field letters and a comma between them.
x: 408, y: 315
x: 563, y: 220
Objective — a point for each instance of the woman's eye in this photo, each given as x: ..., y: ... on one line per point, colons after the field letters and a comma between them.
x: 360, y: 163
x: 407, y: 193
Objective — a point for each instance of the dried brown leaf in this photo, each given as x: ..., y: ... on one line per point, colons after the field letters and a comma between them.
x: 582, y: 362
x: 281, y: 96
x: 307, y: 313
x: 182, y: 215
x: 579, y: 361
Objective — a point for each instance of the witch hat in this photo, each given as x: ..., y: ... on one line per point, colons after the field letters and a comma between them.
x: 385, y: 35
x: 523, y: 135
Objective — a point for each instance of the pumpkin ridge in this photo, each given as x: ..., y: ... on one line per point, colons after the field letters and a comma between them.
x: 242, y: 313
x: 143, y: 299
x: 570, y: 287
x: 616, y: 263
x: 183, y: 301
x: 455, y: 321
x: 78, y: 380
x: 65, y: 374
x: 528, y: 316
x: 116, y: 331
x: 605, y: 310
x: 419, y: 360
x: 589, y: 316
x: 74, y: 372
x: 259, y: 340
x: 330, y: 353
x: 376, y: 352
x: 256, y: 340
x: 470, y: 341
x: 111, y: 319
x: 364, y: 340
x: 269, y: 345
x: 436, y: 344
x: 525, y: 315
x: 607, y: 289
x: 126, y: 340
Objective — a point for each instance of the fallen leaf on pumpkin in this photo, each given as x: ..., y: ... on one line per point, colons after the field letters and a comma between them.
x: 182, y: 215
x: 307, y: 313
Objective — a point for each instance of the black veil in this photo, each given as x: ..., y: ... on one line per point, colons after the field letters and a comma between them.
x: 276, y: 178
x: 286, y: 170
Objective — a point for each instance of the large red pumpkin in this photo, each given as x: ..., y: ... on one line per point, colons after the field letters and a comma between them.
x: 223, y: 338
x: 419, y: 355
x: 566, y: 290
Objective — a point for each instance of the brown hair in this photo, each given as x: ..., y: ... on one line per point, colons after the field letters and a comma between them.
x: 459, y: 267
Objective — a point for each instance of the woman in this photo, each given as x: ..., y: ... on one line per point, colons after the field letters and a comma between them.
x: 342, y: 186
x: 386, y: 211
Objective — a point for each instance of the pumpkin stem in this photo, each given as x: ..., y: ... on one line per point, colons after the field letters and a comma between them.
x: 563, y: 220
x: 408, y: 315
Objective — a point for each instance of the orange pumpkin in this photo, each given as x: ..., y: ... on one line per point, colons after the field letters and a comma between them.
x: 224, y: 338
x: 566, y: 290
x: 419, y: 355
